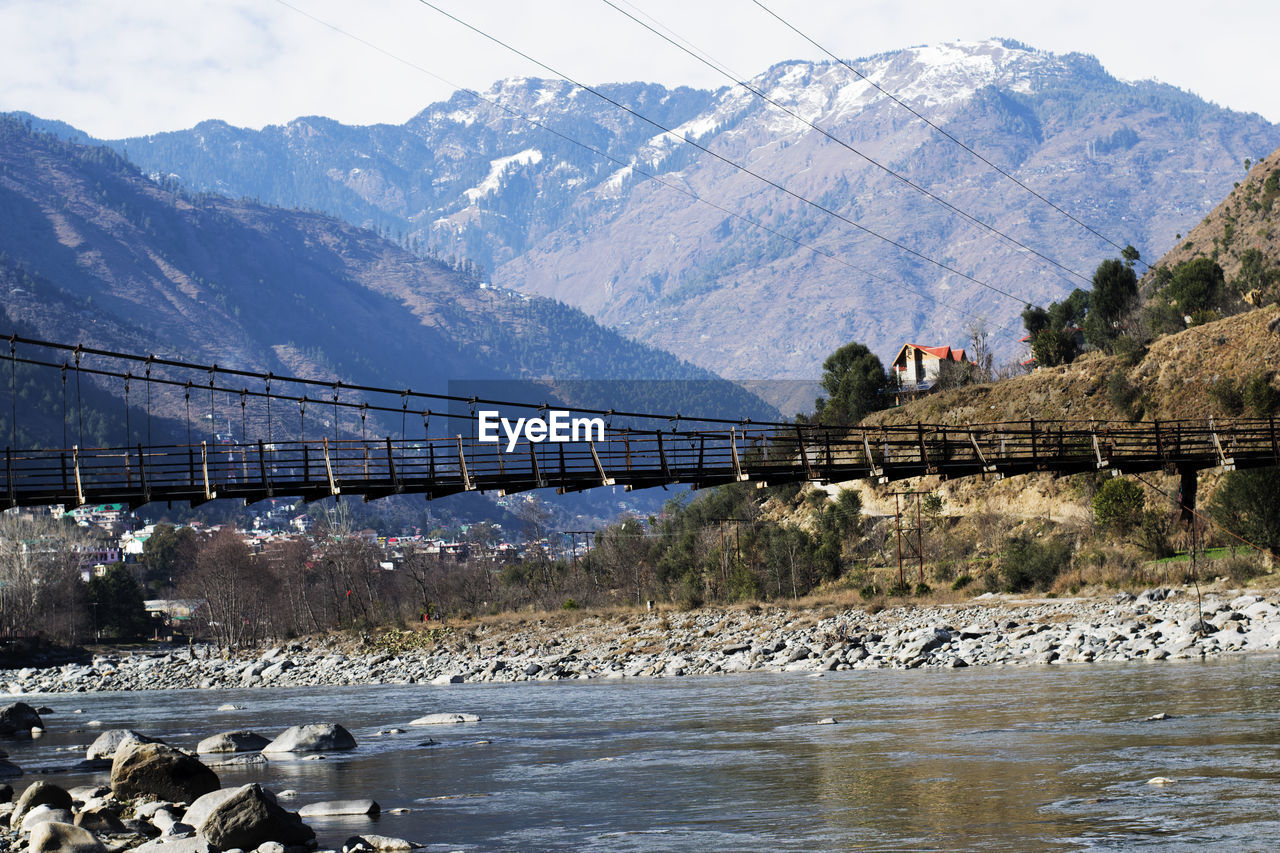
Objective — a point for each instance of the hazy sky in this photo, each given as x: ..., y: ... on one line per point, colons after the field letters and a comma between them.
x: 116, y: 68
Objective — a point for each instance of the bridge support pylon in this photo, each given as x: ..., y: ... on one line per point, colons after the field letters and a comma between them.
x: 1187, y: 483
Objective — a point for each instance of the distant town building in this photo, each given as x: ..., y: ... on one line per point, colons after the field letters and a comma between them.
x: 173, y: 610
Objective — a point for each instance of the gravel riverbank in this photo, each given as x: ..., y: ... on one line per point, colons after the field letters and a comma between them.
x: 1159, y: 624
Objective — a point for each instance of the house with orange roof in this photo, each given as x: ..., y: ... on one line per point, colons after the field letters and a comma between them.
x: 916, y: 368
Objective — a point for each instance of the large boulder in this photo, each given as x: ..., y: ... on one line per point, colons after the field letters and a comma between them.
x: 159, y: 770
x: 8, y: 770
x: 317, y: 737
x: 240, y: 741
x: 107, y: 743
x: 39, y: 794
x: 199, y: 810
x: 250, y: 817
x: 63, y: 838
x: 18, y: 717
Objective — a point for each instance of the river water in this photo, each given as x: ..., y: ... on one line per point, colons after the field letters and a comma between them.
x: 1045, y: 758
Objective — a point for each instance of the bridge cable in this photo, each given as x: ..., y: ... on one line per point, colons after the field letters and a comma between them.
x: 79, y: 398
x: 187, y: 385
x: 186, y: 395
x: 65, y: 443
x: 335, y: 410
x: 404, y: 415
x: 128, y: 429
x: 148, y: 402
x: 213, y: 419
x: 945, y: 133
x: 13, y: 382
x: 732, y: 163
x: 842, y: 143
x: 267, y: 381
x: 899, y: 285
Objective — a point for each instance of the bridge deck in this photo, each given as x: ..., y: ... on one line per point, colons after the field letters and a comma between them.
x: 314, y: 469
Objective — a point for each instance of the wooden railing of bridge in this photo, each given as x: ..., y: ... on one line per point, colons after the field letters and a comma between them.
x: 635, y: 459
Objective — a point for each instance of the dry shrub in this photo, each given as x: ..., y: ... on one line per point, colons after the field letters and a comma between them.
x: 1107, y: 566
x: 1240, y: 568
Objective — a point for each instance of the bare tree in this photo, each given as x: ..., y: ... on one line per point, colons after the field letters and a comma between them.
x: 233, y: 590
x: 40, y: 588
x: 980, y: 345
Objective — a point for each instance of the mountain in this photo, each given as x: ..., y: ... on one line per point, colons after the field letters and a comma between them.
x: 92, y: 251
x: 1139, y: 161
x: 464, y: 177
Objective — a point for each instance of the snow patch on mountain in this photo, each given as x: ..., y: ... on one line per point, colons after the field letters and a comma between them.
x: 498, y: 168
x: 698, y: 127
x: 612, y: 186
x: 939, y: 74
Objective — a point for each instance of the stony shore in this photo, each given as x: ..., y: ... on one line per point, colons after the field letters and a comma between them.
x: 1158, y: 624
x: 162, y: 799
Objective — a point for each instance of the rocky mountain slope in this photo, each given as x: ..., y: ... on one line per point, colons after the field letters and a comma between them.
x: 1141, y: 162
x: 1247, y: 219
x: 91, y: 251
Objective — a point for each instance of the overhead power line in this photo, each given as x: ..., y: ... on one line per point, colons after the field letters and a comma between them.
x: 726, y: 160
x: 824, y: 253
x: 847, y: 146
x: 945, y: 133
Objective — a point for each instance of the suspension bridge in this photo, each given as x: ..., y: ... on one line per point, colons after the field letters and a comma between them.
x: 274, y: 457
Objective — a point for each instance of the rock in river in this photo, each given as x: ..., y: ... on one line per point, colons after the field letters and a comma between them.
x: 18, y: 717
x: 445, y: 719
x: 250, y: 817
x: 241, y: 741
x: 108, y: 742
x: 317, y: 737
x: 379, y: 842
x: 160, y: 770
x: 332, y: 808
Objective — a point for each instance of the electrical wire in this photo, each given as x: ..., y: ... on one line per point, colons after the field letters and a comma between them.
x: 847, y: 146
x: 945, y: 133
x: 646, y: 174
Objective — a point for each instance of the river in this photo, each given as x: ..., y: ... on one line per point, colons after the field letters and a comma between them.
x: 992, y: 758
